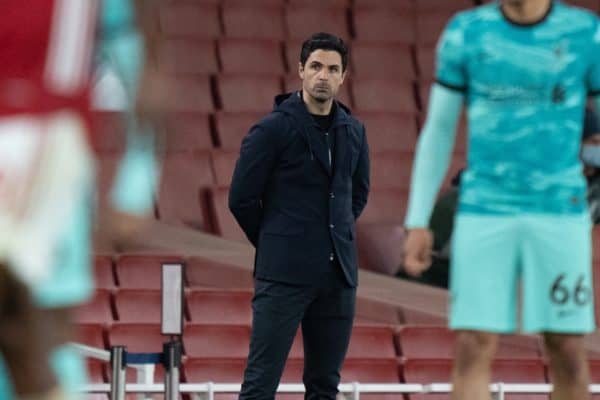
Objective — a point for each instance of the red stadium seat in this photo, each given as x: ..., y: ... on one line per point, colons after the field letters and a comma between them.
x: 383, y: 95
x: 138, y: 306
x: 382, y: 60
x: 108, y: 129
x: 508, y: 371
x: 248, y: 93
x: 371, y: 342
x: 205, y: 273
x: 253, y: 21
x: 596, y: 243
x: 223, y: 165
x: 437, y: 342
x: 232, y: 127
x: 384, y: 24
x: 187, y: 132
x: 443, y: 6
x: 292, y: 48
x: 184, y: 177
x: 385, y: 205
x: 103, y: 272
x: 90, y: 335
x: 302, y: 20
x: 418, y: 317
x: 189, y: 93
x: 426, y: 62
x: 220, y: 307
x: 406, y: 5
x: 138, y: 338
x: 142, y: 271
x: 391, y: 169
x: 372, y: 371
x: 214, y: 370
x: 188, y: 56
x: 189, y: 20
x: 224, y: 223
x: 328, y: 3
x: 96, y: 372
x: 592, y: 5
x: 380, y: 247
x: 430, y: 26
x: 390, y: 131
x: 217, y: 341
x: 95, y: 311
x: 251, y: 56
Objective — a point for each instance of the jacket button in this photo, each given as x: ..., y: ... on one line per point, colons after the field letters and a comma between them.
x: 331, y: 226
x: 331, y: 257
x: 332, y: 195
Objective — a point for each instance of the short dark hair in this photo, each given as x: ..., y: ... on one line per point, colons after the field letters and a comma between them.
x: 324, y: 41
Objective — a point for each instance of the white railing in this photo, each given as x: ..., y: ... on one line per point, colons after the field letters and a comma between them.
x: 205, y: 391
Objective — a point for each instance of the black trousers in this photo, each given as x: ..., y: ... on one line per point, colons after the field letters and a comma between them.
x: 325, y: 312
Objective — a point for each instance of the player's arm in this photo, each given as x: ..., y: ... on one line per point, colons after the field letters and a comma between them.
x: 435, y: 145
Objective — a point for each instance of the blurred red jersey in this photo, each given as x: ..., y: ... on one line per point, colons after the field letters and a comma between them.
x: 45, y: 55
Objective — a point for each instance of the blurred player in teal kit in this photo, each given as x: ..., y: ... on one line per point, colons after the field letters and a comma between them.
x: 524, y: 69
x: 66, y: 280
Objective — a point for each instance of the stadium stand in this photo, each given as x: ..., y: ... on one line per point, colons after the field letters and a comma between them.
x: 227, y: 60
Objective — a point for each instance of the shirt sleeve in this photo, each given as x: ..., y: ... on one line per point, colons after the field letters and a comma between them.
x: 450, y: 56
x: 594, y: 72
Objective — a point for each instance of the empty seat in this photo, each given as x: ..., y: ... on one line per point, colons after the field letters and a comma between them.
x: 391, y: 169
x: 328, y: 3
x: 385, y: 205
x: 139, y: 306
x: 372, y: 371
x: 187, y: 132
x: 251, y: 56
x: 142, y: 271
x: 220, y: 307
x: 201, y: 272
x: 224, y: 164
x: 383, y: 95
x: 384, y: 24
x: 108, y: 131
x: 382, y: 60
x: 508, y: 371
x: 592, y: 5
x: 302, y: 20
x: 426, y: 62
x: 390, y: 131
x: 190, y: 20
x: 103, y: 272
x: 437, y: 342
x: 215, y: 370
x: 217, y: 341
x: 379, y: 246
x: 232, y: 127
x: 248, y: 93
x: 184, y: 177
x: 405, y: 5
x: 138, y: 338
x: 443, y: 6
x: 188, y: 56
x: 95, y: 311
x: 90, y: 335
x: 189, y: 93
x: 253, y: 21
x: 292, y: 83
x: 371, y: 342
x: 224, y: 223
x: 596, y: 243
x: 418, y: 317
x: 429, y: 26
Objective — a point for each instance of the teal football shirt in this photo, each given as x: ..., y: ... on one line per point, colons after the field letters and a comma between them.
x: 525, y: 88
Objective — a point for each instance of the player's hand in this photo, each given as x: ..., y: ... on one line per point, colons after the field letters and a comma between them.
x: 417, y: 251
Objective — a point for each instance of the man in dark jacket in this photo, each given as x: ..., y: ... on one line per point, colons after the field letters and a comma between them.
x: 300, y: 183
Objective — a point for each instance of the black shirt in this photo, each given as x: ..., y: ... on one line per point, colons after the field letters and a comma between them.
x: 328, y: 140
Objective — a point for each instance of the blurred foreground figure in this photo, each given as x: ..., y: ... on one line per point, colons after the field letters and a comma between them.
x: 47, y: 181
x: 524, y: 69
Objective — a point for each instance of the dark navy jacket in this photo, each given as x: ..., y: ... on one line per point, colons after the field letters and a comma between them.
x: 295, y: 211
